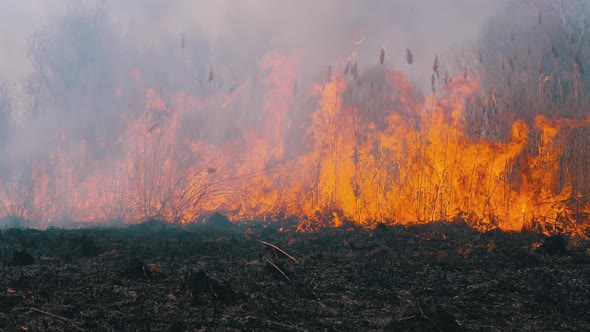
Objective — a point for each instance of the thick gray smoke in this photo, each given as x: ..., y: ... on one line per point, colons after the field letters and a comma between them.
x: 66, y: 58
x: 71, y: 66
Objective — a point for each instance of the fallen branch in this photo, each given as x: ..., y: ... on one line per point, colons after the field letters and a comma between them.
x: 426, y: 317
x: 279, y: 249
x: 277, y: 268
x: 266, y: 323
x: 65, y: 319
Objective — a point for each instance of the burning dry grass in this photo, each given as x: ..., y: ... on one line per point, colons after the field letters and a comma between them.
x: 509, y: 156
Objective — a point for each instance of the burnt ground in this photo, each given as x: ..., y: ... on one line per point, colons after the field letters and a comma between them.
x: 160, y: 277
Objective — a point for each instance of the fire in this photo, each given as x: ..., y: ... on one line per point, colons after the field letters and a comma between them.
x: 366, y: 150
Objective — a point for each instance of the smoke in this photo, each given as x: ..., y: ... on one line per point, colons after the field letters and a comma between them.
x: 78, y: 68
x: 320, y: 29
x: 67, y: 57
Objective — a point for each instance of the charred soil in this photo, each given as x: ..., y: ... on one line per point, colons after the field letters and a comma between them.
x: 265, y: 277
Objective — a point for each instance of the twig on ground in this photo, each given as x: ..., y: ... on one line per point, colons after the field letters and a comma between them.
x: 276, y: 267
x: 279, y: 249
x: 58, y: 317
x: 265, y: 322
x: 426, y: 317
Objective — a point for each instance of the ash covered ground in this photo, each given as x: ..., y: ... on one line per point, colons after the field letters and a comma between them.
x: 259, y: 276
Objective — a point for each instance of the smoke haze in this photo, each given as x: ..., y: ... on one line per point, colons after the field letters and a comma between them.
x: 74, y: 70
x: 321, y: 28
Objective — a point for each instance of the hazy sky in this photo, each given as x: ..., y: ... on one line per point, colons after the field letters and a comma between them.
x: 18, y: 20
x: 424, y: 26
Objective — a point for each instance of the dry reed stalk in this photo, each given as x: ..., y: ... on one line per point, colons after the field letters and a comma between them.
x: 432, y: 81
x: 410, y: 60
x: 540, y: 64
x: 354, y: 71
x: 511, y: 64
x: 279, y: 249
x: 446, y: 78
x: 211, y: 74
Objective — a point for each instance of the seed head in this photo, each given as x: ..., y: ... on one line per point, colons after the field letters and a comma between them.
x: 409, y: 56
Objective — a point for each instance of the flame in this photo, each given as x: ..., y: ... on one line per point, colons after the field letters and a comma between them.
x: 347, y: 161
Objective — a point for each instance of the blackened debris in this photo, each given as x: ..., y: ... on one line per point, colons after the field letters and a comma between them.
x: 218, y: 220
x: 553, y: 245
x: 21, y: 258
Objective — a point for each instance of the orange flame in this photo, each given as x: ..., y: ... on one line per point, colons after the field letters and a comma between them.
x: 348, y: 160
